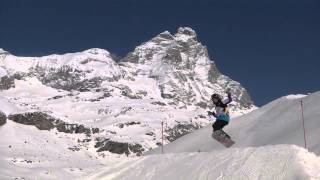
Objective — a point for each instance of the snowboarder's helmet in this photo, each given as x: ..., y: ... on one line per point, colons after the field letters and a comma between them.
x: 215, y: 96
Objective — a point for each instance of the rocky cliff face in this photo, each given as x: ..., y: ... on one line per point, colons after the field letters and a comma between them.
x: 3, y: 118
x: 167, y: 79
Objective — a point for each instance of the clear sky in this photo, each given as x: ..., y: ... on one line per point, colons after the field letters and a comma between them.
x: 272, y: 47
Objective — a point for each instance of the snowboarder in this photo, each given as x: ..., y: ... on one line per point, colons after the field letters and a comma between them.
x: 221, y: 113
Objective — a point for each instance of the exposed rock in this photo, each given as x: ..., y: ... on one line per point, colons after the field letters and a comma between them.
x: 121, y: 125
x: 56, y: 97
x: 166, y: 35
x: 3, y: 118
x: 131, y: 57
x: 180, y: 130
x: 180, y: 63
x: 95, y: 130
x: 38, y: 119
x: 46, y: 122
x: 123, y: 111
x: 119, y: 147
x: 68, y: 78
x: 159, y: 103
x: 150, y: 133
x: 246, y: 99
x: 213, y: 74
x: 75, y: 128
x: 132, y: 123
x: 7, y: 82
x: 74, y: 148
x: 126, y: 91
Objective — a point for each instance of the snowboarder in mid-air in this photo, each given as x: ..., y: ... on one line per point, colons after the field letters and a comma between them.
x: 221, y: 113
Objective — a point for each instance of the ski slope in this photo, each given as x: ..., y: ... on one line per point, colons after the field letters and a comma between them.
x: 269, y: 146
x: 278, y: 122
x: 263, y: 163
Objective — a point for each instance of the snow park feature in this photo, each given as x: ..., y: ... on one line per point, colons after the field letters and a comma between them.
x: 269, y: 146
x: 86, y: 116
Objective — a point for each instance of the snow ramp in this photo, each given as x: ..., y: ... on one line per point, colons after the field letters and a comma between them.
x: 278, y: 122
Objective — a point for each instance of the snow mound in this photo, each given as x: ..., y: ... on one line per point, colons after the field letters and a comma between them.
x: 270, y: 162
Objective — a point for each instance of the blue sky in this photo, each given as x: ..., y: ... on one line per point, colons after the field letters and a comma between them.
x: 271, y: 47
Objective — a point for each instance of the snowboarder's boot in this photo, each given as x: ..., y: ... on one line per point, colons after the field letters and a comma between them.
x: 220, y: 133
x: 226, y: 135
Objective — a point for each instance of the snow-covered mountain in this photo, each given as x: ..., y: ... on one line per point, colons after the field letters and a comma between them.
x: 119, y: 105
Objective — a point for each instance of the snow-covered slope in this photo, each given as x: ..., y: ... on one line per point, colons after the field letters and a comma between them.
x: 282, y: 162
x: 97, y: 62
x: 264, y: 148
x: 27, y: 153
x: 278, y: 122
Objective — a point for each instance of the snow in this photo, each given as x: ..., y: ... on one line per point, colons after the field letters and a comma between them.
x: 28, y: 152
x: 296, y: 96
x: 263, y: 148
x: 6, y: 106
x: 2, y: 51
x: 263, y: 163
x: 3, y: 72
x: 185, y: 37
x: 30, y: 95
x: 96, y: 61
x: 278, y: 122
x: 268, y: 146
x: 269, y: 140
x: 17, y: 64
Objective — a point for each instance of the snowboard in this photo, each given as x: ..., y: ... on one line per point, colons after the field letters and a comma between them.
x: 223, y: 138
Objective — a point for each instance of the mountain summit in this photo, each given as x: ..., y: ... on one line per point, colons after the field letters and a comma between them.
x: 183, y: 68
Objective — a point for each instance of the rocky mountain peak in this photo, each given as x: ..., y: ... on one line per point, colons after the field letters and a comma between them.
x: 185, y: 33
x: 166, y: 35
x: 169, y: 48
x: 97, y: 51
x: 183, y: 69
x: 3, y: 52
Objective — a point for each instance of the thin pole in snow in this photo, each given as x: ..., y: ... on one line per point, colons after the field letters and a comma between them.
x: 162, y: 137
x: 304, y: 129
